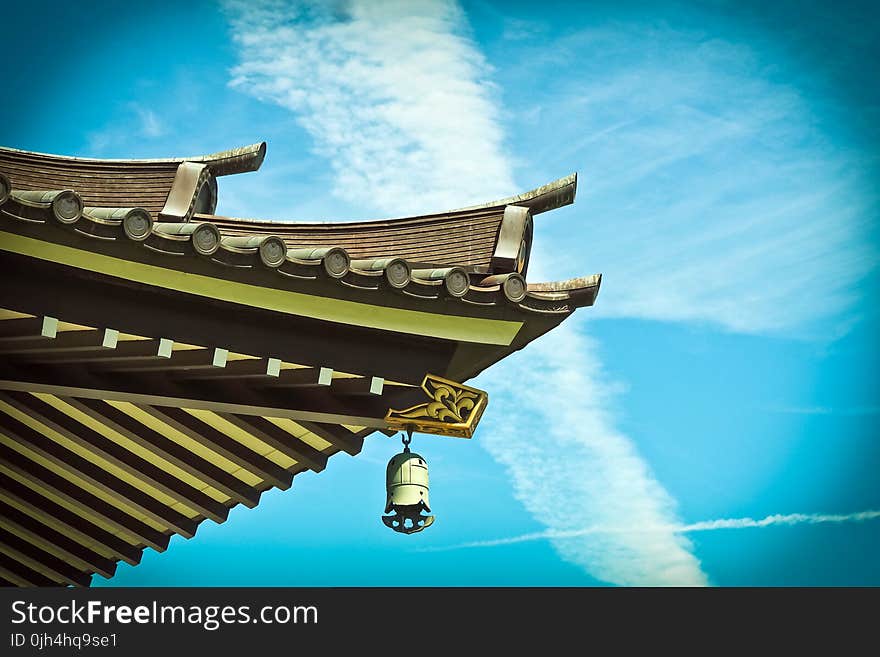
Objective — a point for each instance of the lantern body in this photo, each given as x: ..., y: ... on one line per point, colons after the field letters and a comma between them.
x: 406, y: 484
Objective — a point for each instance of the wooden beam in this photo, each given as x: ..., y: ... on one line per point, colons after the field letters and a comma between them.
x: 38, y: 507
x: 92, y: 347
x: 32, y: 287
x: 310, y: 405
x: 8, y: 579
x: 66, y: 342
x: 85, y: 503
x: 129, y: 462
x: 219, y: 442
x: 188, y: 360
x: 115, y: 488
x: 304, y: 377
x: 366, y: 385
x: 279, y: 439
x: 21, y: 575
x: 24, y: 328
x: 38, y: 559
x: 338, y: 436
x: 36, y: 533
x: 174, y: 453
x: 252, y: 368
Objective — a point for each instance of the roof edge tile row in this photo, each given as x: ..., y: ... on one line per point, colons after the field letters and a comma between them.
x: 422, y: 257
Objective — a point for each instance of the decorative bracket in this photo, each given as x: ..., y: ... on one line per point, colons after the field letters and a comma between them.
x: 194, y: 190
x: 514, y: 243
x: 454, y: 409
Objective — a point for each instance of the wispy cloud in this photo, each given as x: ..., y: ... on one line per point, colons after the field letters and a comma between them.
x: 394, y: 94
x: 136, y: 123
x: 640, y: 532
x: 151, y: 126
x: 826, y: 410
x: 571, y: 467
x: 396, y: 97
x: 715, y: 188
x: 780, y: 519
x: 399, y: 100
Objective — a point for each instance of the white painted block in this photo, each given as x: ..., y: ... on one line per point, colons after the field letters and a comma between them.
x: 165, y: 348
x: 111, y: 338
x: 50, y: 327
x: 220, y: 356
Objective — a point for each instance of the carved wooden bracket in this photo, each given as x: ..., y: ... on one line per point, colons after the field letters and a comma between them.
x: 454, y: 409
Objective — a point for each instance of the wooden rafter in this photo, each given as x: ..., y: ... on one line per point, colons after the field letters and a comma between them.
x: 218, y: 442
x: 287, y: 444
x: 134, y: 466
x: 34, y: 505
x: 120, y: 422
x: 85, y: 503
x: 75, y: 466
x: 28, y: 528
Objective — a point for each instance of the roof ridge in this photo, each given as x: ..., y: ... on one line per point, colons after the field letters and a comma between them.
x: 553, y: 195
x: 233, y: 160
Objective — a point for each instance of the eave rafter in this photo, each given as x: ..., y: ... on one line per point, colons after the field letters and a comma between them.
x: 107, y: 415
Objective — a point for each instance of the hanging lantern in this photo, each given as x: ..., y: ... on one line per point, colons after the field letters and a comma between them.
x: 406, y: 484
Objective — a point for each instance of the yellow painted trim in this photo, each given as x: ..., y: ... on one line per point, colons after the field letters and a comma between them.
x: 11, y: 314
x: 67, y: 326
x: 128, y: 337
x: 448, y: 327
x: 233, y: 356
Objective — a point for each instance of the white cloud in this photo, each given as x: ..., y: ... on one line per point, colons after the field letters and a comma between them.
x: 644, y: 532
x: 396, y: 97
x: 151, y: 126
x: 394, y: 94
x: 571, y: 467
x: 714, y: 191
x: 120, y: 135
x: 710, y: 196
x: 781, y: 519
x: 826, y: 410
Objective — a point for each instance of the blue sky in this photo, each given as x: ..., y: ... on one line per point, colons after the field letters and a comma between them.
x: 727, y: 160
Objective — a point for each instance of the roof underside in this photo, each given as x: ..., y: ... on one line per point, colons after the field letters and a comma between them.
x: 89, y: 476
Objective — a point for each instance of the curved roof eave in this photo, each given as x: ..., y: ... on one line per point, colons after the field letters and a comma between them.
x: 547, y: 197
x: 233, y: 160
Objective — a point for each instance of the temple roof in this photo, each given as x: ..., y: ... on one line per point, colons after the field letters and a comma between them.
x: 160, y: 364
x: 458, y: 250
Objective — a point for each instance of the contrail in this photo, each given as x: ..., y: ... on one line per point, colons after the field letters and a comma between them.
x: 780, y: 519
x: 776, y: 519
